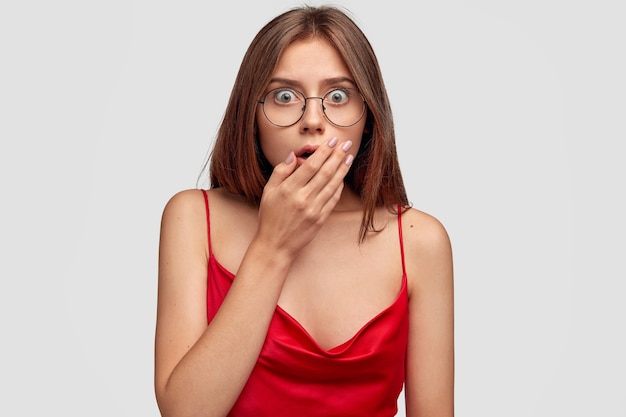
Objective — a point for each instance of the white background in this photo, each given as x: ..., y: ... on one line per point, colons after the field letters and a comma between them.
x: 510, y: 121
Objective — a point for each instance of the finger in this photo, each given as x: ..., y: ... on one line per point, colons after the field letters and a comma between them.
x: 332, y: 201
x: 282, y: 171
x: 311, y: 166
x: 334, y: 166
x: 324, y: 190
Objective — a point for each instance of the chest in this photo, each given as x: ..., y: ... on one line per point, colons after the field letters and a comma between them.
x: 335, y: 286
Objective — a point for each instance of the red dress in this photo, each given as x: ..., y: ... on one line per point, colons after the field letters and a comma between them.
x: 295, y: 377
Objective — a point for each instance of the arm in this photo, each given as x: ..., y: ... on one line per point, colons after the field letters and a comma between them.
x: 429, y: 386
x: 200, y: 370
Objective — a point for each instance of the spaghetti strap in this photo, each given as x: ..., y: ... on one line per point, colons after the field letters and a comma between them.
x: 208, y: 221
x: 401, y: 239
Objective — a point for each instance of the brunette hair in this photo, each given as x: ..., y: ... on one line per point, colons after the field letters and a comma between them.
x: 236, y: 161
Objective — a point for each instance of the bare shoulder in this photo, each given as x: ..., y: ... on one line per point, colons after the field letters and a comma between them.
x: 424, y: 232
x: 427, y: 246
x: 189, y: 205
x: 184, y: 204
x: 233, y: 222
x: 183, y: 220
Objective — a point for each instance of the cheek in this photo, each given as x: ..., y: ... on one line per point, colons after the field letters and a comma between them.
x: 268, y: 146
x: 356, y: 136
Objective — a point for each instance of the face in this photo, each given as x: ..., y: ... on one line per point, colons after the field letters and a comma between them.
x: 314, y: 68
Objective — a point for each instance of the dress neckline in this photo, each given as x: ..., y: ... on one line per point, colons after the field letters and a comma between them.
x: 341, y: 347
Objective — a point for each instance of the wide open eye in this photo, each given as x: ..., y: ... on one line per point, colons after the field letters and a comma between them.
x: 285, y: 96
x: 339, y: 96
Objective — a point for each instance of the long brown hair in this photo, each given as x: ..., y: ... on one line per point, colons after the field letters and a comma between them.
x: 236, y: 161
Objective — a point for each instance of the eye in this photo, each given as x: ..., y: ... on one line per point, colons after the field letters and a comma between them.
x: 285, y: 96
x: 339, y: 96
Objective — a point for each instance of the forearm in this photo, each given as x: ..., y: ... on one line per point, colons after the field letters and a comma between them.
x: 209, y: 378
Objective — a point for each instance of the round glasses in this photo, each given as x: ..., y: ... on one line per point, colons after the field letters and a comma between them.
x: 284, y: 107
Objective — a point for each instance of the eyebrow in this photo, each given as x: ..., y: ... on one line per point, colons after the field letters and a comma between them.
x: 326, y: 82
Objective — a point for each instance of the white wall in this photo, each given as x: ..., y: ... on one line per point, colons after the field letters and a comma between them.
x: 509, y: 116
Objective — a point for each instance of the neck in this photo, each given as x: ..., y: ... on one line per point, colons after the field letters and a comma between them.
x: 349, y: 201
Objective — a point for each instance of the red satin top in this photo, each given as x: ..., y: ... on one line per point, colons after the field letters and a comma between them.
x: 295, y: 377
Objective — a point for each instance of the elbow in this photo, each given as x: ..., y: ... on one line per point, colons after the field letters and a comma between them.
x: 166, y: 409
x: 172, y: 405
x: 175, y: 405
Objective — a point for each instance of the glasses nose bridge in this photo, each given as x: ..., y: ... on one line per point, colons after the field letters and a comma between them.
x: 306, y: 99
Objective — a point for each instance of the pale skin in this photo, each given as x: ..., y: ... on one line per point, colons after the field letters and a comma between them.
x: 301, y: 240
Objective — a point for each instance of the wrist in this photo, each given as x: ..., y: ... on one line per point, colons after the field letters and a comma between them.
x: 271, y: 254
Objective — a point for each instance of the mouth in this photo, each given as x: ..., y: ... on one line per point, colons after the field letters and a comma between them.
x: 304, y: 153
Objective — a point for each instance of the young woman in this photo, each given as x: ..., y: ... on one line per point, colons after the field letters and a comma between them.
x: 302, y: 283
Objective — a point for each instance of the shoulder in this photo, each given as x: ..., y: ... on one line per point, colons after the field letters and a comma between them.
x: 186, y: 222
x: 184, y: 212
x: 423, y: 231
x: 428, y: 251
x: 184, y: 203
x: 188, y: 204
x: 188, y: 208
x: 184, y: 219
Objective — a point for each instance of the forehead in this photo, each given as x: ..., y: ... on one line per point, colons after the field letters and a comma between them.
x: 311, y: 61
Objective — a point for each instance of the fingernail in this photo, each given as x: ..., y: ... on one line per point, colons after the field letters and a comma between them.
x: 332, y: 142
x: 290, y: 158
x: 349, y: 159
x: 346, y: 146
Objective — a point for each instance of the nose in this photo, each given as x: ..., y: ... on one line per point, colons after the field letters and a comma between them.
x: 313, y: 119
